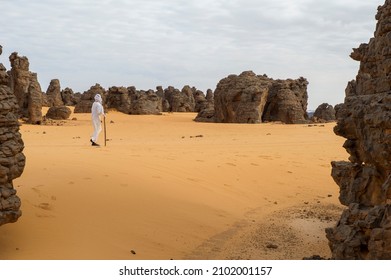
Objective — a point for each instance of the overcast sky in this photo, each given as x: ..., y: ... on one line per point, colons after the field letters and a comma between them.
x: 146, y: 43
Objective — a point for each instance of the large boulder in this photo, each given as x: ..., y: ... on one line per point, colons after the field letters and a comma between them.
x: 287, y: 101
x: 24, y: 84
x: 364, y: 119
x: 58, y: 113
x: 118, y: 98
x: 69, y: 98
x: 324, y: 113
x: 145, y: 103
x: 241, y: 99
x: 207, y: 111
x: 12, y: 160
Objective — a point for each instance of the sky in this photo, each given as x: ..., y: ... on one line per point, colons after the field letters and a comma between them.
x: 147, y: 43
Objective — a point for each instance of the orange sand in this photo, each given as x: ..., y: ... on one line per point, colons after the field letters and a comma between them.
x: 166, y: 187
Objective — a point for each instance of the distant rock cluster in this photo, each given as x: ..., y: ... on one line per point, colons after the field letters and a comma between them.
x: 251, y: 98
x: 364, y: 119
x: 12, y: 160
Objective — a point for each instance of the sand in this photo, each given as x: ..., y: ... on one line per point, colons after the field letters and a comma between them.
x: 166, y: 187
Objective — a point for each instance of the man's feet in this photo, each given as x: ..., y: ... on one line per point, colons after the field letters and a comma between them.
x: 93, y: 143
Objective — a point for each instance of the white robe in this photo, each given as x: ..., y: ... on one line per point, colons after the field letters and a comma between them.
x: 96, y: 111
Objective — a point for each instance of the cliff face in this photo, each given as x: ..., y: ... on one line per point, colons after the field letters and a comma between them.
x: 364, y: 119
x: 12, y: 160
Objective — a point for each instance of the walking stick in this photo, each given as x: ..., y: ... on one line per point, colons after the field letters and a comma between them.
x: 104, y: 128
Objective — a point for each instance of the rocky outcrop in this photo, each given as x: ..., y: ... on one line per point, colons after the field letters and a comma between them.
x: 364, y: 119
x: 118, y: 98
x: 180, y: 101
x: 207, y: 112
x: 12, y: 160
x: 251, y: 98
x: 53, y: 94
x: 69, y: 98
x: 287, y: 101
x: 87, y: 99
x: 324, y: 113
x: 24, y: 84
x: 58, y: 113
x: 145, y: 103
x: 241, y: 99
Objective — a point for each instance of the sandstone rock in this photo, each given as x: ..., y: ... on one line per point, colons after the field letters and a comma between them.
x: 69, y: 98
x: 207, y: 112
x: 119, y: 98
x: 58, y: 113
x: 12, y: 160
x: 241, y: 99
x: 24, y: 84
x: 324, y: 113
x: 53, y: 94
x: 364, y: 119
x: 180, y: 101
x: 287, y: 101
x: 87, y: 99
x: 145, y: 103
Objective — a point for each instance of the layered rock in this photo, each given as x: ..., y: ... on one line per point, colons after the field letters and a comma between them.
x: 287, y: 101
x: 24, y: 84
x: 12, y: 160
x: 324, y: 113
x: 364, y: 119
x: 53, y: 94
x: 87, y: 99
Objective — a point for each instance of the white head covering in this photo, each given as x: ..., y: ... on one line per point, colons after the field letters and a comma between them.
x: 98, y: 98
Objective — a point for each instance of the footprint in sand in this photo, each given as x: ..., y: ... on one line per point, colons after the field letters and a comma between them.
x: 231, y: 164
x: 44, y: 206
x: 254, y: 164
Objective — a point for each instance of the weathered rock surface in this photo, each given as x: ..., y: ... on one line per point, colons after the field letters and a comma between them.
x: 241, y: 99
x: 69, y: 98
x: 145, y: 103
x: 180, y: 101
x: 12, y: 160
x: 87, y: 99
x: 58, y: 113
x: 364, y: 119
x: 53, y: 94
x: 251, y: 98
x: 287, y: 101
x: 324, y: 113
x: 118, y: 98
x: 24, y: 84
x: 207, y: 111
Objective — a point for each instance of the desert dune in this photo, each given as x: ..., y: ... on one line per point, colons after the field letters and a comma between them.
x: 166, y: 187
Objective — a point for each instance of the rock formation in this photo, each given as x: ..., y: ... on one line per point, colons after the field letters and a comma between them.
x: 69, y: 98
x: 25, y: 86
x: 87, y: 98
x: 58, y: 113
x: 180, y: 101
x: 324, y: 113
x: 53, y: 94
x: 118, y: 98
x: 145, y: 103
x: 241, y: 99
x: 287, y: 101
x: 12, y: 160
x: 207, y: 113
x: 364, y: 119
x: 251, y: 98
